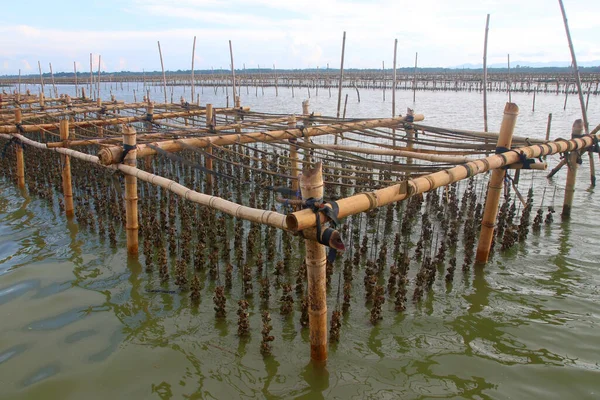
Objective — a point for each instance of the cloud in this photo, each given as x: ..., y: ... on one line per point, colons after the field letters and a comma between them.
x: 300, y: 34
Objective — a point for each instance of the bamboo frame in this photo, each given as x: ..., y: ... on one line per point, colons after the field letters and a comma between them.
x: 511, y: 111
x: 311, y: 185
x: 66, y: 171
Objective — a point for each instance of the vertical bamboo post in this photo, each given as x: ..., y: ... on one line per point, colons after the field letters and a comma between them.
x: 99, y: 128
x: 415, y: 79
x: 66, y: 170
x: 19, y: 89
x: 193, y: 82
x: 548, y: 126
x: 76, y: 84
x: 20, y: 156
x: 311, y: 186
x: 339, y: 103
x: 508, y: 81
x: 232, y: 71
x: 162, y: 66
x: 131, y: 192
x: 208, y: 161
x: 495, y: 186
x: 41, y: 76
x: 394, y: 83
x: 53, y: 83
x: 577, y: 130
x: 383, y: 78
x: 98, y: 80
x: 485, y: 119
x: 91, y: 78
x: 293, y: 154
x: 533, y: 106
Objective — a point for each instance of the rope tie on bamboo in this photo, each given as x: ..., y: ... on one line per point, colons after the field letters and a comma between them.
x: 324, y: 236
x: 126, y: 149
x: 595, y: 144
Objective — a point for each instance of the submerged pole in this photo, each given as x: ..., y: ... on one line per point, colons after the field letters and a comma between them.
x: 294, y: 154
x: 66, y: 170
x: 311, y: 185
x: 495, y: 186
x: 572, y: 166
x: 19, y: 153
x: 208, y: 161
x: 131, y: 193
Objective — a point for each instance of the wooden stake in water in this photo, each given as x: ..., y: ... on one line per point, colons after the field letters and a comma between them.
x: 394, y: 82
x: 193, y: 81
x: 383, y: 78
x: 19, y: 153
x: 572, y: 167
x: 495, y: 187
x: 41, y: 77
x: 341, y: 77
x: 66, y: 170
x: 311, y: 186
x: 91, y: 91
x: 579, y: 91
x: 53, y: 83
x: 485, y: 118
x: 162, y: 66
x: 232, y: 71
x: 508, y: 83
x: 415, y: 79
x: 75, y: 72
x: 98, y: 80
x: 131, y: 193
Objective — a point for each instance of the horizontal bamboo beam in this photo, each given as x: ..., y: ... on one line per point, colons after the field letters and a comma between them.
x: 362, y: 202
x: 112, y: 155
x: 109, y: 121
x: 265, y: 217
x: 399, y: 153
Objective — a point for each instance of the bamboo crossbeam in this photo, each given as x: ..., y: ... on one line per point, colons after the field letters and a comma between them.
x: 362, y: 202
x: 113, y: 154
x: 103, y: 122
x: 265, y: 217
x: 400, y: 153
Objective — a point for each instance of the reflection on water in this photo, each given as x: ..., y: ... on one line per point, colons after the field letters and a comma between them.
x: 82, y: 320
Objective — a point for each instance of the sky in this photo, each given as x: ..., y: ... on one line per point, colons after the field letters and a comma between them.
x: 288, y: 33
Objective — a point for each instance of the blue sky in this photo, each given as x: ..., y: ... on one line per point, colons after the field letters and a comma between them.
x: 289, y: 34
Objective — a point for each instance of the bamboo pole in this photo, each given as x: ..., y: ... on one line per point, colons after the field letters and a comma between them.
x: 19, y: 155
x: 41, y: 76
x: 383, y: 78
x: 511, y: 111
x: 394, y: 83
x: 339, y: 103
x: 508, y: 81
x: 162, y: 66
x: 53, y: 83
x: 270, y: 218
x: 575, y: 68
x: 131, y: 193
x: 293, y: 155
x: 572, y: 166
x: 111, y: 155
x: 98, y: 80
x: 66, y: 170
x: 311, y: 185
x: 193, y: 82
x: 91, y: 78
x: 485, y: 119
x: 76, y: 84
x: 415, y: 79
x: 208, y: 161
x: 232, y: 71
x: 548, y: 125
x: 301, y: 220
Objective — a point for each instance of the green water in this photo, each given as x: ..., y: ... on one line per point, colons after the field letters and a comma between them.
x: 78, y: 321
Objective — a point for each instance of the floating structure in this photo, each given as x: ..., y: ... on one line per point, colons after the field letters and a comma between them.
x: 217, y: 191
